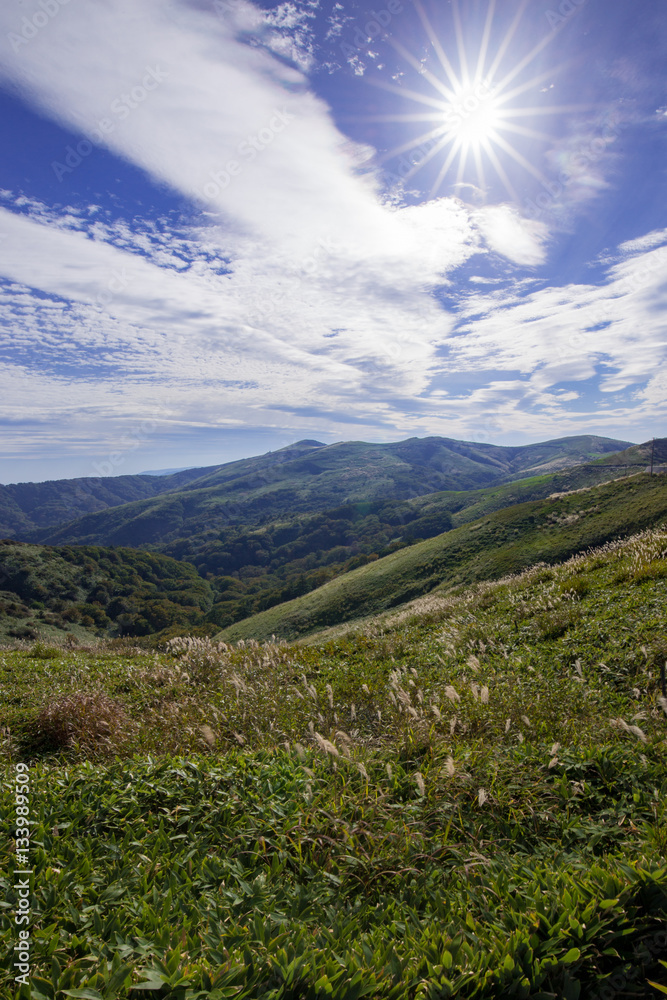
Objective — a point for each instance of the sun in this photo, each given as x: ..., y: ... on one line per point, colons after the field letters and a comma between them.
x: 473, y: 118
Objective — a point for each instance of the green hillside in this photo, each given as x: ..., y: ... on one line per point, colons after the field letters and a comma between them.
x: 467, y: 802
x: 638, y: 454
x: 246, y: 571
x: 85, y: 591
x: 255, y: 568
x: 505, y: 541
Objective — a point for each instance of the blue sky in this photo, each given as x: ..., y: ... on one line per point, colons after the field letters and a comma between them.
x: 225, y: 226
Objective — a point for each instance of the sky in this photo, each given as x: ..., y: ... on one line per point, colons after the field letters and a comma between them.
x: 227, y: 226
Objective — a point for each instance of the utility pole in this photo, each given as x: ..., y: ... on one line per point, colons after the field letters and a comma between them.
x: 652, y: 451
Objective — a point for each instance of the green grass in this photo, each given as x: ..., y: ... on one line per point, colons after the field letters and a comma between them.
x: 465, y: 798
x: 506, y: 541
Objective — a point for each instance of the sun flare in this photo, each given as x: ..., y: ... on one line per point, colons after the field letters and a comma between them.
x: 472, y: 116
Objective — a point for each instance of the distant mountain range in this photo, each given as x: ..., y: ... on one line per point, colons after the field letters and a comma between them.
x: 306, y: 476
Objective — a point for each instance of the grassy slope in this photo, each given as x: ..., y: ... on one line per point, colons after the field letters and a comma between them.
x: 638, y: 454
x: 505, y: 541
x: 487, y: 818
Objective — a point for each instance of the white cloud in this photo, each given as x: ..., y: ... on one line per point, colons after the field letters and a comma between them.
x: 613, y: 332
x: 510, y: 234
x: 643, y: 243
x: 323, y: 332
x: 183, y: 98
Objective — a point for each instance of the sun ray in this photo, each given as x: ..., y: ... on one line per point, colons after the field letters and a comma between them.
x: 559, y: 109
x: 484, y: 45
x: 502, y: 97
x: 463, y: 159
x: 409, y: 116
x: 429, y: 156
x: 432, y: 79
x: 531, y: 133
x: 525, y: 62
x: 430, y: 102
x: 435, y: 42
x: 460, y: 45
x: 411, y: 144
x: 500, y: 170
x: 526, y: 164
x: 443, y: 170
x: 479, y: 163
x: 506, y: 40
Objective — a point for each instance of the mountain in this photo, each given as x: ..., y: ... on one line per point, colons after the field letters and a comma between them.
x: 26, y: 507
x: 639, y: 455
x: 312, y: 571
x: 504, y: 542
x: 306, y: 477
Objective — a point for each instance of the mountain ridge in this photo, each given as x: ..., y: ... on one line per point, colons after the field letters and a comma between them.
x: 307, y: 475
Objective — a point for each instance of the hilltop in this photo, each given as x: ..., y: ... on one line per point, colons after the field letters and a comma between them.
x: 26, y: 507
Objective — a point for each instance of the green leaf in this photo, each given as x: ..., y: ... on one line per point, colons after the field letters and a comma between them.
x: 604, y: 904
x: 117, y: 980
x: 35, y: 994
x: 86, y: 993
x: 657, y: 986
x: 573, y: 955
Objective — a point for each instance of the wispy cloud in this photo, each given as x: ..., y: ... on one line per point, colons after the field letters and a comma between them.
x: 610, y: 334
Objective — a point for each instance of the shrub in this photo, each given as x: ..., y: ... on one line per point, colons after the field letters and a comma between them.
x: 42, y: 652
x: 91, y: 721
x: 22, y: 632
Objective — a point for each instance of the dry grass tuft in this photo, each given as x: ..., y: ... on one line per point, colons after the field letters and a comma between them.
x: 92, y: 722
